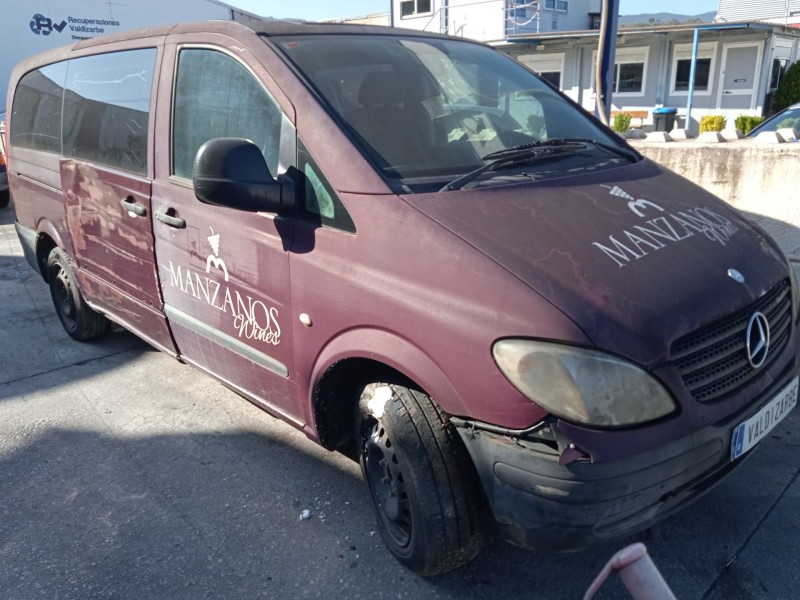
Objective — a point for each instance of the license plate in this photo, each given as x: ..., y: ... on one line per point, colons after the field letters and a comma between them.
x: 748, y: 433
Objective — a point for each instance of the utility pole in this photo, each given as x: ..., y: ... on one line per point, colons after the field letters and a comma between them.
x: 606, y: 67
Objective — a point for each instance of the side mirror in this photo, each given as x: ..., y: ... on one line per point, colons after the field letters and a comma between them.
x: 232, y: 172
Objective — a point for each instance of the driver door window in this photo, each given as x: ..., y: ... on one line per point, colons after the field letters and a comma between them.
x: 216, y: 96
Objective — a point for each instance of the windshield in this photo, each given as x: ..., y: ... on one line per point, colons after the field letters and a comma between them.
x: 424, y: 108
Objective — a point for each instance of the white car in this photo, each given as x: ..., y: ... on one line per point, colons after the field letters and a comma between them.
x: 4, y: 193
x: 788, y: 117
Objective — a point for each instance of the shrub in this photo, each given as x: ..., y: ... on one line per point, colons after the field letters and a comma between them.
x: 622, y: 122
x: 788, y: 91
x: 746, y: 123
x: 712, y: 123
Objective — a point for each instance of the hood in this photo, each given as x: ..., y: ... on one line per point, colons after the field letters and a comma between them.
x: 636, y: 256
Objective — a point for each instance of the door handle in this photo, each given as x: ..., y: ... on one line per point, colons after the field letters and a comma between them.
x: 133, y: 207
x: 175, y: 222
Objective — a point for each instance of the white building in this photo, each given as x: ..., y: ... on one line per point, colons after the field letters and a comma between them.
x: 775, y: 11
x: 738, y: 65
x: 492, y: 20
x: 28, y: 28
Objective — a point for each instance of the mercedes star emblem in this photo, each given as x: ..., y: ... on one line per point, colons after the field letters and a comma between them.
x: 757, y: 340
x: 735, y: 275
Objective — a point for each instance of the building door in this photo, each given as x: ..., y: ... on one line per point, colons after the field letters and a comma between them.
x: 739, y: 76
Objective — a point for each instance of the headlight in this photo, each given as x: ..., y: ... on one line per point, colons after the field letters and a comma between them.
x: 581, y: 385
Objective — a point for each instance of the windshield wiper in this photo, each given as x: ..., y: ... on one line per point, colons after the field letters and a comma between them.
x: 511, y: 157
x: 533, y: 151
x: 560, y: 143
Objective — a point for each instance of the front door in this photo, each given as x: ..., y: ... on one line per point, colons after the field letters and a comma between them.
x: 739, y: 76
x: 224, y: 273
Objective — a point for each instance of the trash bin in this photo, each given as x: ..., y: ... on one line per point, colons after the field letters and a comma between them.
x: 664, y: 118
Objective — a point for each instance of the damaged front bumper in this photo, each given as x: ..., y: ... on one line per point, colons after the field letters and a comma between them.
x: 541, y: 504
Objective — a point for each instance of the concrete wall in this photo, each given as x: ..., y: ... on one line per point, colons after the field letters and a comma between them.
x: 763, y: 181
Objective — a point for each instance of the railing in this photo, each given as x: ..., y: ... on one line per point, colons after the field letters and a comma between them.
x: 522, y: 18
x: 519, y: 17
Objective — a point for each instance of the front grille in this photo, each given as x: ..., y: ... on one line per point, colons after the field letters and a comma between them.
x: 713, y: 361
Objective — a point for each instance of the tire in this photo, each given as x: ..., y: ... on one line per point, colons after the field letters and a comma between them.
x: 79, y: 320
x: 5, y: 197
x: 424, y: 488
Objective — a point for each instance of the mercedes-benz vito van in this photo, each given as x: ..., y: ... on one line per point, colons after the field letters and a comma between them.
x: 417, y: 252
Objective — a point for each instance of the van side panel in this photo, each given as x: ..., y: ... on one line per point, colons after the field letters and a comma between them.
x: 38, y: 199
x: 108, y: 218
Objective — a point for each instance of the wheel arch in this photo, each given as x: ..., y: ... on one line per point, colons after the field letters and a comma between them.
x: 47, y: 238
x: 362, y: 356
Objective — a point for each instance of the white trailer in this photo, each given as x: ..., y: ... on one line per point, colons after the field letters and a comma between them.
x: 28, y: 28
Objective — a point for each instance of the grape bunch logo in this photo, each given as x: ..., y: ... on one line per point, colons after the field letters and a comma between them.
x: 214, y: 259
x: 251, y: 318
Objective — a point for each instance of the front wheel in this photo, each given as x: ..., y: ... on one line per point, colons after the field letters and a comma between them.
x: 423, y: 485
x: 79, y: 320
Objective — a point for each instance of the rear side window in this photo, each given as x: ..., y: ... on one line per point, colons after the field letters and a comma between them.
x: 105, y: 104
x: 216, y: 96
x: 36, y: 112
x: 107, y: 108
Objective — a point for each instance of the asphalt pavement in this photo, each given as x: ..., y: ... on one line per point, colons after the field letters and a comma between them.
x: 125, y: 474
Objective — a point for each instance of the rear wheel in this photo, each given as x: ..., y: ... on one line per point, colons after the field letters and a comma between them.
x: 423, y: 485
x: 79, y: 320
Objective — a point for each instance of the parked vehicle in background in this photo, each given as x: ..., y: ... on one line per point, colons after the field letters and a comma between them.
x: 788, y: 118
x: 419, y: 253
x: 4, y: 193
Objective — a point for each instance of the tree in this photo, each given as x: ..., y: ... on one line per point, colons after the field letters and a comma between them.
x: 788, y: 91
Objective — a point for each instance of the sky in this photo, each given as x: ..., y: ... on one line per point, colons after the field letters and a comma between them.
x: 314, y: 10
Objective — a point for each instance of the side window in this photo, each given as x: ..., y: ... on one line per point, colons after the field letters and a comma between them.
x: 319, y: 200
x: 36, y: 111
x: 216, y: 96
x: 107, y: 108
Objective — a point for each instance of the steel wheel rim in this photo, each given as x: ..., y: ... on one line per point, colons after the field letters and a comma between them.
x: 386, y: 481
x: 64, y: 300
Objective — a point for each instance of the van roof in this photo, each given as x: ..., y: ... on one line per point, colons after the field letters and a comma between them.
x: 263, y: 28
x: 266, y: 27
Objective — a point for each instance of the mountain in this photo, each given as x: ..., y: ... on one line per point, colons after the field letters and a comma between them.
x: 664, y: 18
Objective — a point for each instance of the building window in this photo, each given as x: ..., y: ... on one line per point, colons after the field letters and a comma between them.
x: 553, y: 77
x: 629, y: 78
x: 779, y: 67
x: 411, y: 8
x: 630, y: 71
x: 559, y: 5
x: 594, y: 21
x: 683, y: 72
x: 682, y: 67
x: 547, y: 66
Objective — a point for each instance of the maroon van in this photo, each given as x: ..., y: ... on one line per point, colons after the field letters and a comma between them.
x: 419, y: 253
